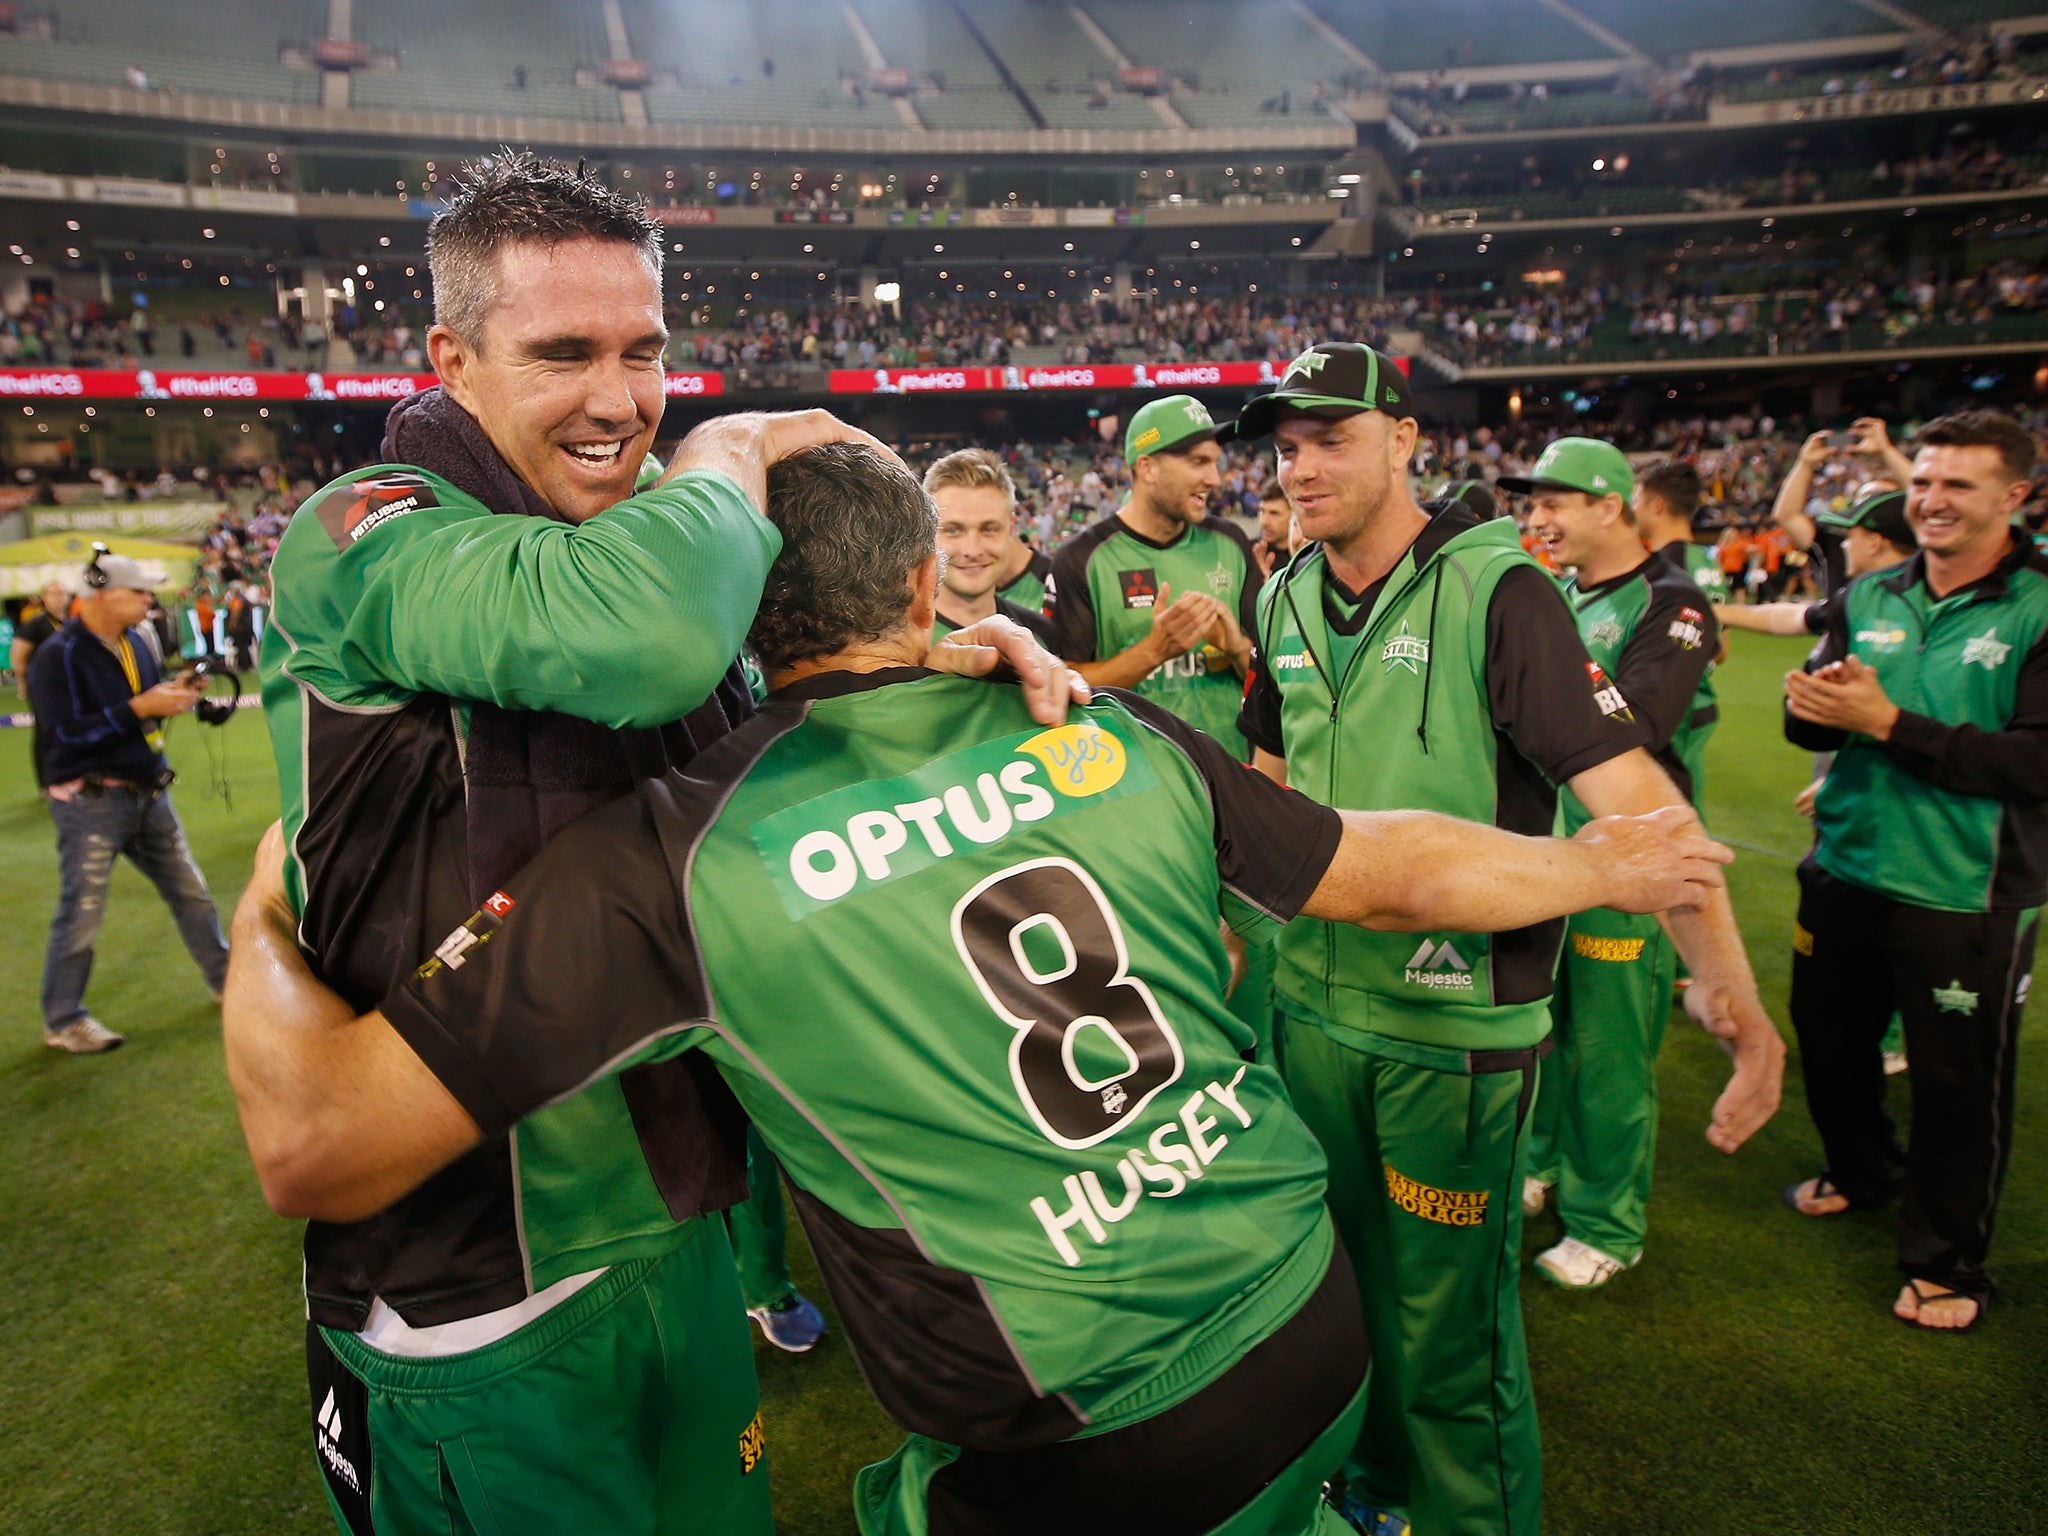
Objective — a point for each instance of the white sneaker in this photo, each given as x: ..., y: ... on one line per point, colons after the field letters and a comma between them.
x: 1894, y: 1063
x: 1579, y: 1266
x: 83, y: 1037
x: 1534, y: 1190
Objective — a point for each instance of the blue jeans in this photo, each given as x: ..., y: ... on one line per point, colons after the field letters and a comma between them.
x: 91, y: 831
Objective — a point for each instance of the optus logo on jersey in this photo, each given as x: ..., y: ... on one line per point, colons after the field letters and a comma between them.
x: 869, y: 834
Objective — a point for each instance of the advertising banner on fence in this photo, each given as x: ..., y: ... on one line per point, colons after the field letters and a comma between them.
x: 170, y: 384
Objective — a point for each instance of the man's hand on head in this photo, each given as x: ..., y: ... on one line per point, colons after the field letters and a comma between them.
x: 743, y: 444
x: 1049, y: 683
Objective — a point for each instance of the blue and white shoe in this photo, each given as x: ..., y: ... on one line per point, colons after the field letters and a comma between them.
x: 1372, y: 1521
x: 793, y: 1323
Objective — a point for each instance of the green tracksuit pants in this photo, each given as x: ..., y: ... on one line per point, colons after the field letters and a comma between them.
x: 630, y: 1408
x: 1596, y: 1132
x: 1425, y: 1147
x: 760, y: 1230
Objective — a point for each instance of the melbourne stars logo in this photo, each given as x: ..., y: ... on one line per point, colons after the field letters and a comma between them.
x: 1308, y: 365
x: 1407, y: 649
x: 1198, y: 413
x: 1986, y: 650
x: 1606, y: 632
x: 1955, y: 998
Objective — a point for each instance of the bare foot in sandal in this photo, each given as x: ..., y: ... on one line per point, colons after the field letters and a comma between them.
x: 1817, y: 1197
x: 1927, y: 1305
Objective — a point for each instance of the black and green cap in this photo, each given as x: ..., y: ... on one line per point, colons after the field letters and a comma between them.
x: 1170, y: 424
x: 1882, y: 512
x: 1577, y: 464
x: 1474, y: 496
x: 1331, y: 379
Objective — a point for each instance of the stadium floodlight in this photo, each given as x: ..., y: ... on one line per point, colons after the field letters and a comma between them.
x: 888, y: 293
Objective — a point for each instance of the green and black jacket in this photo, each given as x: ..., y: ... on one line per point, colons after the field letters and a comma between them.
x: 1653, y: 633
x: 1456, y: 684
x: 403, y: 607
x: 1952, y: 811
x: 964, y: 972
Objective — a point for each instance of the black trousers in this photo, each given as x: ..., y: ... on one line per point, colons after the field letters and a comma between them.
x: 1957, y: 981
x: 1188, y: 1469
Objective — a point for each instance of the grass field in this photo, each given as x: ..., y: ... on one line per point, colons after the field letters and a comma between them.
x: 1748, y: 1378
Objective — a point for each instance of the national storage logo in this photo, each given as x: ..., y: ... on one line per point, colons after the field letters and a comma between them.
x: 869, y: 834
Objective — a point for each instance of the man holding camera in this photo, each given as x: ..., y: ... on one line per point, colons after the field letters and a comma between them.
x: 100, y: 696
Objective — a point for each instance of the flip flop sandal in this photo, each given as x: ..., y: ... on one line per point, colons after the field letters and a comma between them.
x: 1823, y: 1188
x: 1913, y: 1284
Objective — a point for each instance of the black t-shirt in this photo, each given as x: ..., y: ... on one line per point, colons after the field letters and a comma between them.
x: 1535, y: 670
x: 1830, y: 551
x: 36, y: 630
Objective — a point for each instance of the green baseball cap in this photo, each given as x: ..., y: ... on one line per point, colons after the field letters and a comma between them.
x: 1331, y: 379
x: 1577, y: 464
x: 1882, y: 512
x: 1168, y: 425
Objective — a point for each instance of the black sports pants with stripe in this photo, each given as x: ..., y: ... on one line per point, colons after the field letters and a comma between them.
x: 1957, y: 980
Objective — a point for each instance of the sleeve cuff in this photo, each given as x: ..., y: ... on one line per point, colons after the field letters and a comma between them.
x: 459, y: 1072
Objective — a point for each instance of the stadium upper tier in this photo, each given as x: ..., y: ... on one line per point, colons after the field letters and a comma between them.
x: 913, y: 65
x: 215, y: 49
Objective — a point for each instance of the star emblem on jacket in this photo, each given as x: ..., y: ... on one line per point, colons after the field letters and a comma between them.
x: 1406, y: 649
x: 1954, y: 998
x: 1986, y: 650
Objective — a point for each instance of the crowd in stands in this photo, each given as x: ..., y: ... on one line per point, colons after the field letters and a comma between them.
x: 50, y: 329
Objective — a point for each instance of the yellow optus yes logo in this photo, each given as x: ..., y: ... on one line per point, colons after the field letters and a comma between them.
x: 1080, y: 759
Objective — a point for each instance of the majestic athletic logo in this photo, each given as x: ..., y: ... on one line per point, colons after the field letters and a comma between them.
x: 1447, y: 1207
x: 1955, y: 998
x: 348, y: 512
x: 1689, y: 629
x: 1406, y: 649
x: 1589, y: 946
x: 1140, y: 588
x: 1439, y: 967
x: 872, y: 833
x: 1605, y: 634
x: 1986, y: 650
x: 328, y: 1419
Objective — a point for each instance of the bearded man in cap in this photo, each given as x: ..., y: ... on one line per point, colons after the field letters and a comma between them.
x: 1411, y: 661
x: 99, y: 692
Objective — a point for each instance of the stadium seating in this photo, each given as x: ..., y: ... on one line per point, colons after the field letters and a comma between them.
x: 1664, y: 28
x: 1459, y: 33
x: 448, y: 63
x: 1054, y: 63
x: 958, y: 85
x: 1954, y: 15
x: 769, y: 61
x: 1239, y: 54
x: 1561, y: 109
x: 194, y: 49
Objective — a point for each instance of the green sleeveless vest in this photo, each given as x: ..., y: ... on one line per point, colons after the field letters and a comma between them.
x: 1406, y: 724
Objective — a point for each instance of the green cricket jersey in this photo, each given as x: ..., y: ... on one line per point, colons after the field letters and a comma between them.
x: 1028, y: 590
x: 1030, y: 618
x: 1702, y: 564
x: 400, y: 602
x: 1654, y: 636
x: 1104, y: 583
x: 1455, y: 684
x: 1951, y: 811
x: 964, y: 973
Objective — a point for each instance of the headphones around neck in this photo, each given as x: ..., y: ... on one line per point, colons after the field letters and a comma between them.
x: 96, y: 578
